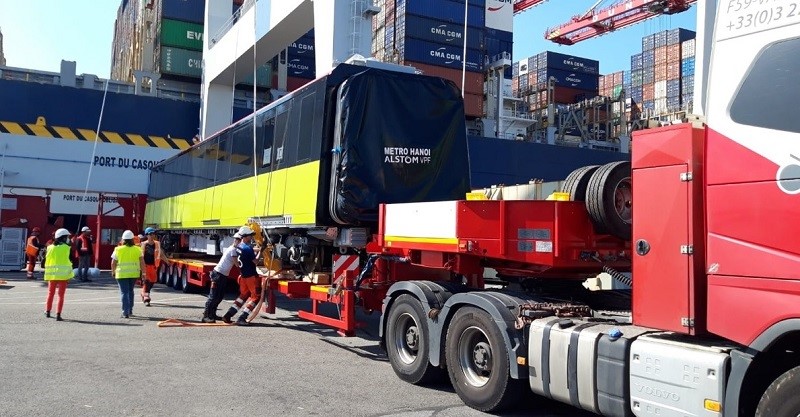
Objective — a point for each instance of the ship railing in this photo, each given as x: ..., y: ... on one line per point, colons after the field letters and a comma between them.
x: 228, y: 25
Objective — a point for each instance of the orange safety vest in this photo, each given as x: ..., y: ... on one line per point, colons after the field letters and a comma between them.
x: 31, y: 249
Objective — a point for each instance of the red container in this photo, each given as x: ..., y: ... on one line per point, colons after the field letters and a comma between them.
x: 660, y: 55
x: 473, y: 105
x: 617, y: 78
x: 673, y: 70
x: 661, y: 72
x: 648, y: 92
x: 674, y: 53
x: 473, y: 81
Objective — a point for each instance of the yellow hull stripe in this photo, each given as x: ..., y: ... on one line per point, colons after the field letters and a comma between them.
x: 436, y: 240
x: 290, y: 193
x: 60, y: 132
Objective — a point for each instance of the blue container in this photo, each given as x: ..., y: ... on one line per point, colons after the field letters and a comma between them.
x: 301, y: 67
x: 673, y: 88
x: 648, y: 59
x: 440, y: 55
x: 648, y: 76
x: 185, y: 10
x: 302, y: 47
x: 626, y: 78
x: 499, y: 34
x: 635, y: 94
x: 533, y: 63
x: 687, y: 84
x: 648, y: 43
x: 571, y: 79
x: 495, y: 47
x: 555, y: 60
x: 648, y: 105
x: 687, y: 66
x: 636, y: 62
x: 438, y: 31
x: 687, y: 98
x: 636, y: 78
x: 678, y: 35
x: 673, y: 103
x: 389, y: 37
x: 515, y: 69
x: 445, y: 10
x: 660, y: 38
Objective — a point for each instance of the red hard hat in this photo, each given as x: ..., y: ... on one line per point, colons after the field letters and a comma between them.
x: 36, y: 230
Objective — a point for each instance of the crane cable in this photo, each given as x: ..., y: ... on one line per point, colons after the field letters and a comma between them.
x: 94, y: 152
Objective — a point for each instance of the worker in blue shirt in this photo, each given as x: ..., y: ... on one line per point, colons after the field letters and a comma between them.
x: 248, y: 280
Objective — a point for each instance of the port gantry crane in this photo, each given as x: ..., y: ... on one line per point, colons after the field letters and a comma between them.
x: 522, y: 5
x: 617, y: 16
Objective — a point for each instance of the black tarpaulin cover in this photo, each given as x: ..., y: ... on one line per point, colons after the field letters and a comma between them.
x: 401, y: 138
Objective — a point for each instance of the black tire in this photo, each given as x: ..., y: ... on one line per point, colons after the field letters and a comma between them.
x: 478, y: 363
x: 179, y: 272
x: 163, y: 271
x: 407, y: 342
x: 174, y: 275
x: 781, y: 399
x: 609, y: 199
x: 577, y: 181
x: 185, y: 286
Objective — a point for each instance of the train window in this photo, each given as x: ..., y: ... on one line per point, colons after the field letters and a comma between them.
x: 307, y: 116
x: 199, y: 165
x: 267, y: 139
x: 242, y: 151
x: 281, y: 124
x: 221, y: 153
x: 771, y: 80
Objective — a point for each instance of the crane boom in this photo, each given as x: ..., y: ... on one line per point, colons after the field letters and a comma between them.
x: 522, y: 5
x: 616, y: 16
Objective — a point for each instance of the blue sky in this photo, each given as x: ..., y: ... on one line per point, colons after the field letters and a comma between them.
x: 40, y: 33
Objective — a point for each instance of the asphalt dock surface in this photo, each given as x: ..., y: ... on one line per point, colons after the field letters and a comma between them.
x: 96, y: 363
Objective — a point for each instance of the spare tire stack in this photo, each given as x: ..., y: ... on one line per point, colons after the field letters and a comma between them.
x: 607, y: 192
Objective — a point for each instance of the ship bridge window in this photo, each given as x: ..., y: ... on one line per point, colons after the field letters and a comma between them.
x: 768, y: 95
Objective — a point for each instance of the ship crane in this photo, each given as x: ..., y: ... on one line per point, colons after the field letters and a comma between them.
x: 617, y: 16
x: 523, y: 5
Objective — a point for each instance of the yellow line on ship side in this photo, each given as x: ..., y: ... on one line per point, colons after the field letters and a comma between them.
x: 88, y: 134
x: 137, y: 139
x: 64, y: 132
x: 39, y: 130
x: 14, y: 128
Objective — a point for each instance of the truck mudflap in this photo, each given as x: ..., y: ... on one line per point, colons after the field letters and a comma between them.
x: 503, y: 308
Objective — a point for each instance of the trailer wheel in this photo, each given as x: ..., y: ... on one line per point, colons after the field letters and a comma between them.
x: 407, y: 341
x: 174, y: 276
x: 609, y: 199
x: 477, y: 361
x: 576, y: 182
x: 781, y: 399
x: 185, y: 286
x: 179, y: 272
x: 163, y: 271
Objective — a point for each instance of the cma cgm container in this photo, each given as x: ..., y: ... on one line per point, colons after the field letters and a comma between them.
x: 446, y: 10
x: 181, y: 62
x: 440, y: 55
x: 473, y: 81
x: 184, y: 10
x: 564, y: 62
x: 263, y: 77
x: 570, y: 79
x: 438, y: 31
x: 301, y: 67
x: 180, y: 34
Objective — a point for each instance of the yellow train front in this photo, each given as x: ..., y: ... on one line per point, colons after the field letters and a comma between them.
x: 324, y: 156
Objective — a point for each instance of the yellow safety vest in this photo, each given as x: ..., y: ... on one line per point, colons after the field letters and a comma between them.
x: 57, y: 265
x: 128, y: 262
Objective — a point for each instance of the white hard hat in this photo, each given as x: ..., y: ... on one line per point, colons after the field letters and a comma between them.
x: 246, y: 231
x: 237, y: 235
x: 61, y: 233
x: 86, y: 229
x: 127, y: 235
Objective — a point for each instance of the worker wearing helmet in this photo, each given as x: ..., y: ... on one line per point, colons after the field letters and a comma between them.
x: 32, y: 250
x: 57, y: 271
x: 151, y: 250
x: 248, y: 280
x: 83, y: 247
x: 219, y: 279
x: 127, y: 264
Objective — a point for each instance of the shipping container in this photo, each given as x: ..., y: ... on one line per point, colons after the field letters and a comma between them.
x: 660, y: 105
x: 648, y: 59
x: 648, y: 92
x: 180, y: 34
x: 660, y: 89
x: 687, y: 84
x: 446, y: 10
x: 498, y: 34
x: 660, y: 39
x: 687, y: 48
x: 437, y: 31
x: 181, y: 62
x: 673, y: 70
x: 184, y: 10
x: 636, y: 78
x: 301, y: 67
x: 660, y: 72
x: 660, y: 55
x: 687, y: 66
x: 473, y: 105
x: 303, y: 47
x: 635, y: 93
x: 571, y: 79
x: 648, y: 76
x: 473, y: 81
x: 441, y: 55
x: 636, y: 62
x: 561, y: 95
x: 648, y: 43
x: 564, y: 62
x: 674, y: 52
x: 263, y: 77
x: 674, y: 88
x: 678, y: 35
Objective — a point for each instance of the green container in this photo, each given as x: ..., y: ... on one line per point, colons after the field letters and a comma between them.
x: 264, y: 77
x: 176, y: 61
x: 616, y: 91
x: 182, y: 34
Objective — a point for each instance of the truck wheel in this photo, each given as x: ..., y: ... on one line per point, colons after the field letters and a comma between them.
x: 781, y: 399
x: 185, y: 286
x: 174, y: 276
x: 609, y: 199
x: 163, y: 271
x: 407, y: 341
x: 577, y: 181
x: 179, y: 274
x: 477, y: 361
